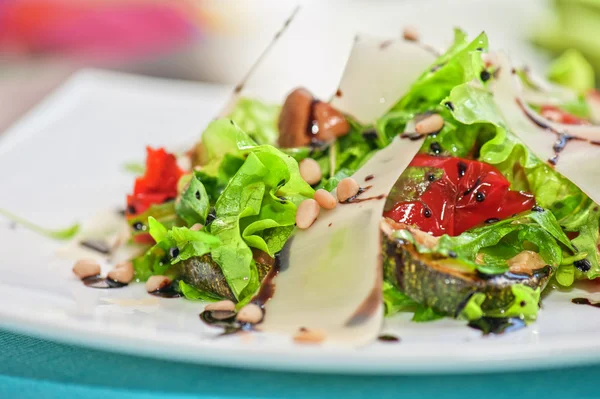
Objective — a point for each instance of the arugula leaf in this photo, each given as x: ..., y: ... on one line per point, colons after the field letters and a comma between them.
x: 62, y: 234
x: 257, y: 119
x: 193, y: 204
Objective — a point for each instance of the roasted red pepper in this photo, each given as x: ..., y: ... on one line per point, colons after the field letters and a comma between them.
x: 157, y: 185
x: 467, y: 194
x: 557, y: 115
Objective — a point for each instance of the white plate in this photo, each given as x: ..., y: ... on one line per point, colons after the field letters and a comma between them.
x: 63, y: 162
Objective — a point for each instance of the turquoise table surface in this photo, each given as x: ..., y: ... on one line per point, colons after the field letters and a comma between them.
x: 35, y: 368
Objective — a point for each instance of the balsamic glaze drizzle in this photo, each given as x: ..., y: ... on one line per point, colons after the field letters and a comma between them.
x: 585, y: 301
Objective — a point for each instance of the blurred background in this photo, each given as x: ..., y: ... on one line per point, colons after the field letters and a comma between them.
x: 43, y: 42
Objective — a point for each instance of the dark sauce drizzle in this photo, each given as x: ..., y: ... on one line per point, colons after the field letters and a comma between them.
x: 585, y: 301
x: 562, y: 140
x: 354, y: 199
x: 388, y: 338
x: 227, y: 320
x: 99, y: 246
x: 102, y: 282
x: 492, y: 325
x: 168, y: 291
x: 369, y: 177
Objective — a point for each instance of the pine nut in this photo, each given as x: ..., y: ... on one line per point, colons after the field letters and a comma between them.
x: 306, y: 336
x: 123, y: 273
x: 430, y: 124
x: 410, y: 33
x: 325, y: 199
x: 156, y: 283
x: 221, y: 306
x: 346, y: 189
x: 251, y: 313
x: 310, y: 171
x: 197, y: 227
x: 307, y: 213
x: 86, y: 268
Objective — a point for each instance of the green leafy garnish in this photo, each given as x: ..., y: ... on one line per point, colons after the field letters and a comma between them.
x: 425, y: 314
x: 194, y: 204
x: 396, y: 301
x: 257, y: 208
x: 195, y: 294
x: 160, y: 257
x: 501, y: 241
x: 135, y: 168
x: 61, y: 234
x: 164, y: 213
x: 257, y: 119
x: 525, y: 305
x: 475, y: 106
x: 572, y: 70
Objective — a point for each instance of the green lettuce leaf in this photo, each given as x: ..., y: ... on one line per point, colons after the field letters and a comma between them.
x: 193, y: 204
x: 461, y: 63
x: 425, y: 313
x: 572, y: 70
x: 476, y: 107
x: 172, y: 246
x: 498, y: 242
x: 396, y: 301
x: 257, y: 119
x: 164, y: 213
x: 195, y: 294
x: 257, y: 208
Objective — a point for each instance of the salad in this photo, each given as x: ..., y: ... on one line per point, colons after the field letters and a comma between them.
x: 446, y: 184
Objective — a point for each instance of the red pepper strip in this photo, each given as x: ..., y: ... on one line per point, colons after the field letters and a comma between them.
x: 158, y: 184
x: 557, y: 115
x: 468, y: 194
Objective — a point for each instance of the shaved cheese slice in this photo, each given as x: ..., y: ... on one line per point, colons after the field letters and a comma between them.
x: 579, y: 161
x: 378, y: 72
x: 546, y: 93
x: 331, y: 273
x: 593, y: 100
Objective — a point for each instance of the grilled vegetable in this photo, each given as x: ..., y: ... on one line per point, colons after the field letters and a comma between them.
x: 447, y: 284
x: 204, y: 274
